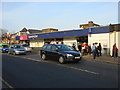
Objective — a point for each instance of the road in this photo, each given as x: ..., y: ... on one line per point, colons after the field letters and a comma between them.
x: 29, y: 71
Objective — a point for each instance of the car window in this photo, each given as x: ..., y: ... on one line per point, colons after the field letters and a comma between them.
x: 5, y: 46
x: 11, y: 46
x: 25, y: 45
x: 17, y: 46
x: 48, y: 47
x: 65, y: 48
x: 54, y: 48
x: 44, y: 47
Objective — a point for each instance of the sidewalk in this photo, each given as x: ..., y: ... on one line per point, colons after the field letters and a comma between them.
x: 104, y: 59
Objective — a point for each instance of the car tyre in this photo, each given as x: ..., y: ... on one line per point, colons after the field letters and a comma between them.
x: 61, y: 60
x: 43, y: 56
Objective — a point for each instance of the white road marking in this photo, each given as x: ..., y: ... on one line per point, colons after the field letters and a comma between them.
x: 83, y: 70
x: 6, y: 83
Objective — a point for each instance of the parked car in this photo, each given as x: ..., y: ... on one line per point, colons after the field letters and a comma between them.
x: 16, y: 49
x: 60, y: 52
x: 4, y: 48
x: 26, y: 47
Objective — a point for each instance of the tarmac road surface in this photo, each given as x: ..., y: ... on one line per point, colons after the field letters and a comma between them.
x: 29, y: 71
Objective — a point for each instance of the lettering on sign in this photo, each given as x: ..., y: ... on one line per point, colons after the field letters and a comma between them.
x: 34, y: 36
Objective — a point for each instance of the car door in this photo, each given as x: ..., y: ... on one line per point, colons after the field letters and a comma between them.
x: 48, y: 51
x: 54, y: 52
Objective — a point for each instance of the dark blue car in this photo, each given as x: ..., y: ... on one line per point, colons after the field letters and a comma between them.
x: 4, y: 48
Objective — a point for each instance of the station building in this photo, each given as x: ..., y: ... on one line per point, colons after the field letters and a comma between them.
x: 106, y: 35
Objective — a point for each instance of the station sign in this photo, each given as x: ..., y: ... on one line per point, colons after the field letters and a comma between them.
x: 32, y: 36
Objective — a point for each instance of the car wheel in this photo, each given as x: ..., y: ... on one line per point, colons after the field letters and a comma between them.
x: 43, y: 56
x: 61, y: 60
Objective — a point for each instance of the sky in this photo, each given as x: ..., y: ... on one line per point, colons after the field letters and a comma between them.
x: 58, y: 15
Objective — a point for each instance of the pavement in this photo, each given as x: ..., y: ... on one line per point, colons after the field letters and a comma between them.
x: 104, y: 59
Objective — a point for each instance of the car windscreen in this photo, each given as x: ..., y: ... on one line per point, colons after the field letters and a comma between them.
x: 4, y: 46
x: 18, y: 46
x: 65, y: 48
x: 25, y: 45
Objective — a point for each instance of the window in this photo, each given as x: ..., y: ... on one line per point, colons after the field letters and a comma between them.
x: 48, y: 47
x: 65, y: 48
x: 44, y: 47
x: 5, y: 46
x: 54, y: 48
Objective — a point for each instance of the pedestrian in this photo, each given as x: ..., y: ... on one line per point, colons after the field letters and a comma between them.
x: 74, y: 46
x: 89, y: 49
x: 97, y: 53
x: 84, y: 48
x: 79, y: 47
x: 99, y: 49
x: 114, y: 51
x: 94, y: 51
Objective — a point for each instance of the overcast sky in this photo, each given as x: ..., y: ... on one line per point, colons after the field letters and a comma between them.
x: 59, y: 15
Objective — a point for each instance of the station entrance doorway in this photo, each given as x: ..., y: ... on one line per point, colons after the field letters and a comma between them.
x: 82, y: 39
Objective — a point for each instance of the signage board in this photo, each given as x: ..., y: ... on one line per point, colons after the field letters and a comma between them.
x: 23, y: 37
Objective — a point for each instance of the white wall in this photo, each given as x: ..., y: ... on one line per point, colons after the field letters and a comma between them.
x: 118, y: 43
x: 100, y: 38
x: 36, y: 43
x: 115, y: 38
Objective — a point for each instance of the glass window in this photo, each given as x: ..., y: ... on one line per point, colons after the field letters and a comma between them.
x: 18, y: 46
x: 65, y: 48
x: 48, y: 47
x: 5, y: 46
x: 25, y: 45
x: 44, y: 47
x: 54, y: 48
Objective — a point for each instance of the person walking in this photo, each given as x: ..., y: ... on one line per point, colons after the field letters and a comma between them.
x: 114, y: 51
x: 89, y: 49
x: 97, y: 52
x: 99, y: 49
x: 94, y: 51
x: 74, y: 46
x: 84, y: 48
x: 79, y: 47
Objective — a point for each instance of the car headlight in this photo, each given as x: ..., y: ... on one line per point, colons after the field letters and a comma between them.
x: 69, y: 55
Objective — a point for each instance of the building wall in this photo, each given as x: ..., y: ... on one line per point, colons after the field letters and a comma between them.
x: 70, y: 41
x: 36, y: 43
x: 118, y: 40
x: 100, y: 38
x: 115, y: 38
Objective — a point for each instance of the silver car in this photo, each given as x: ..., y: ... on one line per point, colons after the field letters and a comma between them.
x: 16, y: 49
x: 26, y: 47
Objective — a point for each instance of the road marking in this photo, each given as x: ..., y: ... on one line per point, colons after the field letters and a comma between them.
x: 6, y: 83
x: 83, y: 70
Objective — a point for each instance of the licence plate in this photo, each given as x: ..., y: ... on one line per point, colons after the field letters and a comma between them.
x: 77, y: 57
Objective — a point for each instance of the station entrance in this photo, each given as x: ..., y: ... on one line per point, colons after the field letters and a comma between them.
x: 82, y: 39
